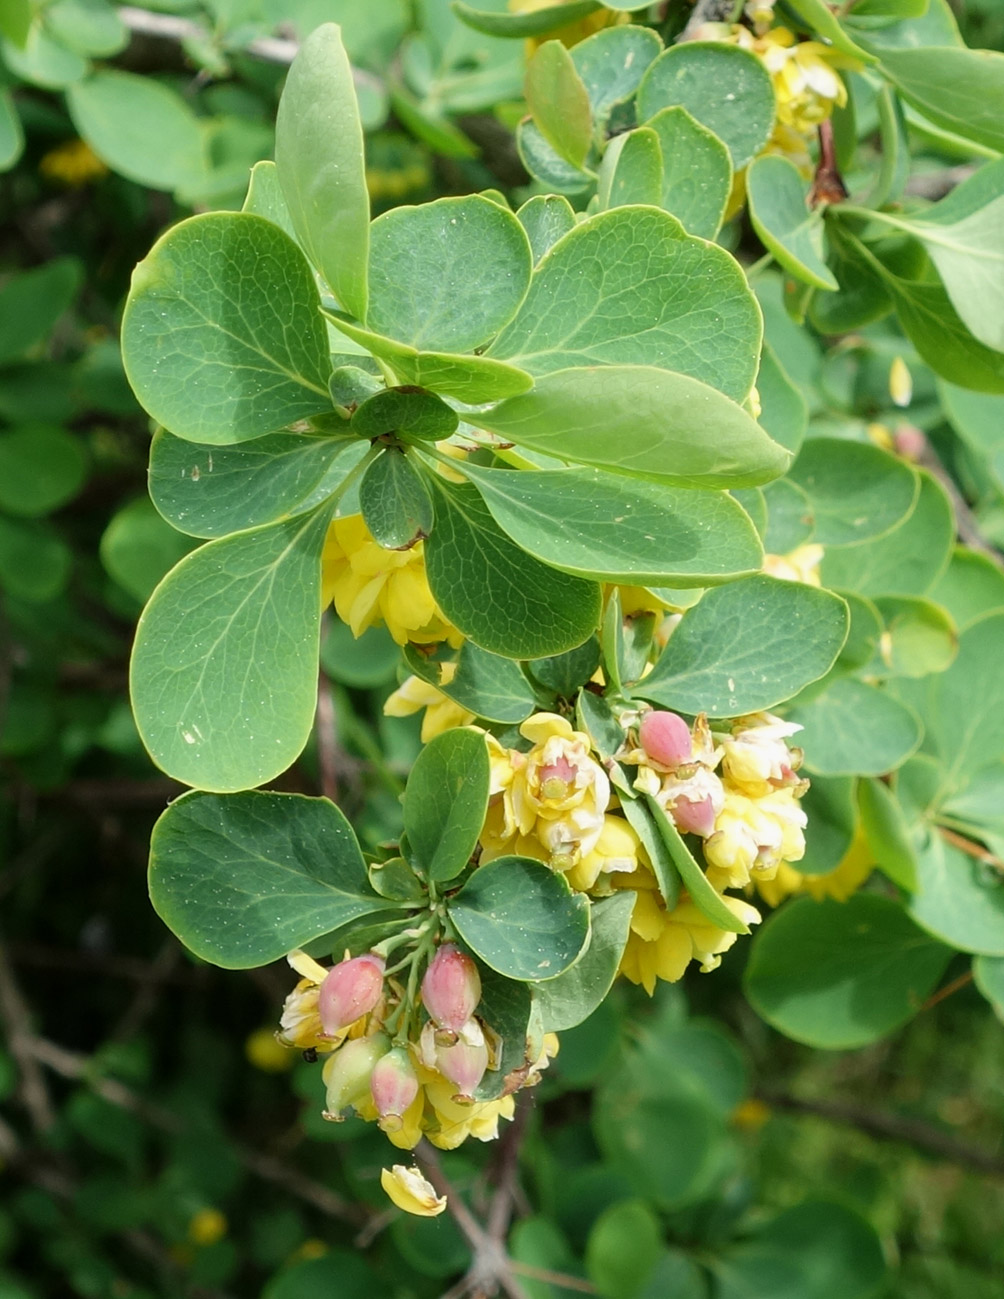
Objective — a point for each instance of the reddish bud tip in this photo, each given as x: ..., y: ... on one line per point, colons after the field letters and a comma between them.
x: 350, y: 989
x: 695, y: 816
x: 451, y: 988
x: 464, y: 1063
x: 393, y: 1084
x: 665, y: 737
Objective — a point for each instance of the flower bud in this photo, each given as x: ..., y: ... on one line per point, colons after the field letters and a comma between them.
x: 347, y: 1072
x: 451, y: 988
x: 665, y: 737
x: 350, y: 989
x: 393, y: 1086
x: 695, y: 816
x: 464, y: 1063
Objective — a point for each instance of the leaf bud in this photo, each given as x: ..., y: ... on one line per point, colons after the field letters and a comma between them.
x: 451, y: 988
x: 350, y: 989
x: 665, y: 737
x: 347, y: 1072
x: 393, y: 1086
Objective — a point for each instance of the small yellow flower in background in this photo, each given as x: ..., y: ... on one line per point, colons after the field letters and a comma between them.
x: 73, y: 164
x: 798, y: 565
x: 900, y: 382
x: 370, y: 585
x: 207, y: 1227
x: 267, y: 1054
x: 411, y: 1191
x: 441, y: 713
x: 311, y: 1248
x: 845, y: 878
x: 750, y: 1115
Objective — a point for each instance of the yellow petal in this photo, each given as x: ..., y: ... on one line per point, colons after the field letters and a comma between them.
x: 411, y: 1192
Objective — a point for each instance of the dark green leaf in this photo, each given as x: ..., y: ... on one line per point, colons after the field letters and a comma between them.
x: 612, y: 62
x: 854, y: 728
x: 536, y: 23
x: 572, y: 997
x: 41, y: 468
x: 702, y: 894
x: 782, y: 219
x: 558, y: 102
x: 696, y: 172
x: 420, y: 415
x: 642, y: 821
x: 32, y: 302
x: 395, y: 502
x: 445, y: 802
x: 857, y: 492
x: 487, y: 685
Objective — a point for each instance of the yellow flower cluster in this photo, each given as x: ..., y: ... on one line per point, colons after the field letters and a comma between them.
x: 370, y: 585
x: 73, y: 164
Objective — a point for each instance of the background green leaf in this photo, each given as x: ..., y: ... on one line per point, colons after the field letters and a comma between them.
x: 558, y: 101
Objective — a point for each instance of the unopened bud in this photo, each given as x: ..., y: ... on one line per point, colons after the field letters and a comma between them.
x: 350, y: 989
x: 695, y: 816
x: 464, y: 1063
x: 393, y: 1086
x: 347, y: 1072
x: 451, y: 988
x: 665, y: 737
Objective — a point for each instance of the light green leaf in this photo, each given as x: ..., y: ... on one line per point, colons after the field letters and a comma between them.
x: 789, y: 516
x: 702, y: 894
x: 222, y: 339
x: 829, y: 805
x: 472, y: 379
x: 747, y: 646
x: 784, y: 222
x: 959, y: 89
x: 854, y: 728
x: 365, y: 661
x: 395, y: 502
x: 888, y: 833
x: 784, y: 411
x: 120, y: 113
x: 691, y: 309
x: 15, y: 20
x: 138, y: 548
x: 623, y: 1249
x: 245, y: 878
x: 90, y: 27
x: 723, y: 87
x: 535, y: 23
x: 643, y: 422
x: 612, y: 62
x: 44, y: 61
x: 487, y: 685
x: 41, y: 468
x: 696, y: 172
x: 549, y: 168
x: 822, y: 20
x: 613, y: 529
x: 31, y: 303
x: 447, y: 275
x: 965, y: 721
x: 558, y: 102
x: 631, y: 171
x: 264, y: 198
x: 506, y: 601
x: 545, y: 218
x: 445, y: 802
x: 919, y: 637
x: 839, y: 975
x: 35, y: 564
x: 566, y: 1001
x: 988, y: 975
x: 211, y: 491
x: 958, y: 899
x: 521, y: 918
x: 906, y: 561
x: 11, y: 133
x: 642, y: 821
x: 815, y: 1250
x: 978, y: 418
x: 320, y: 163
x: 224, y: 665
x: 971, y: 586
x: 857, y: 491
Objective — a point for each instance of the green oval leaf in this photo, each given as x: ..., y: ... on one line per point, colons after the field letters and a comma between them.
x: 723, y: 87
x: 857, y: 491
x: 445, y: 802
x: 614, y: 529
x: 631, y: 171
x: 691, y: 309
x: 521, y: 918
x: 536, y: 23
x: 395, y: 502
x: 958, y: 898
x: 782, y: 219
x: 211, y: 491
x: 320, y: 164
x: 558, y: 102
x: 887, y: 832
x: 717, y: 658
x: 702, y: 894
x: 487, y: 685
x: 224, y: 665
x: 502, y: 598
x: 961, y: 90
x: 448, y: 275
x: 566, y: 1001
x: 696, y: 172
x: 243, y: 879
x: 856, y: 729
x: 643, y: 422
x: 222, y: 339
x: 41, y: 468
x: 546, y: 218
x: 839, y: 975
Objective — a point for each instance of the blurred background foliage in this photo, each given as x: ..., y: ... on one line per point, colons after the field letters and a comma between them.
x: 150, y: 1141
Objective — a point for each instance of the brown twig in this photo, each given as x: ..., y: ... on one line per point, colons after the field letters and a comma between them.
x: 893, y: 1127
x: 827, y: 184
x: 500, y: 1209
x: 32, y: 1089
x: 914, y: 445
x: 971, y: 848
x: 560, y: 1279
x: 947, y: 990
x: 327, y: 738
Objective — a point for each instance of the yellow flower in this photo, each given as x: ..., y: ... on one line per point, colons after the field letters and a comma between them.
x: 662, y: 944
x: 845, y: 878
x: 266, y: 1053
x: 798, y: 565
x: 570, y: 33
x: 441, y: 713
x: 756, y: 759
x: 207, y: 1227
x: 900, y: 382
x: 618, y: 849
x: 370, y: 585
x: 73, y: 164
x: 412, y: 1192
x: 753, y: 836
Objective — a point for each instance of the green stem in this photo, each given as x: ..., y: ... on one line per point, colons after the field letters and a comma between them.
x: 759, y: 265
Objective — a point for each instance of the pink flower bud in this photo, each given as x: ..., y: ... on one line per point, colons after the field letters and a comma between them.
x: 350, y: 989
x: 451, y: 988
x: 464, y: 1063
x: 694, y: 816
x: 665, y: 737
x: 347, y: 1072
x: 393, y: 1086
